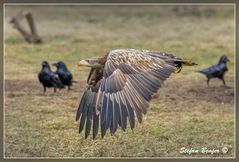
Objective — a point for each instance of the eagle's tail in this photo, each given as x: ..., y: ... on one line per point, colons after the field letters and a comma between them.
x: 181, y: 63
x: 188, y: 63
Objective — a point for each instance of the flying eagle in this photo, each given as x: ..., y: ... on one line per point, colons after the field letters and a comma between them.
x: 120, y: 86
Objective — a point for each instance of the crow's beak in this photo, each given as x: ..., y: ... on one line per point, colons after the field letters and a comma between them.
x: 84, y: 63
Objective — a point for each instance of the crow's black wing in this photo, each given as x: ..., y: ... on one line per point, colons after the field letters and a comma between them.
x: 214, y: 70
x: 45, y: 78
x: 65, y: 76
x: 55, y: 80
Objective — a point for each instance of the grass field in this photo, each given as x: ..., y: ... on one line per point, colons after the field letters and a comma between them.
x: 185, y: 112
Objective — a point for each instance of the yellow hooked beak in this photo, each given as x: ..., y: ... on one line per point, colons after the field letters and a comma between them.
x: 83, y: 63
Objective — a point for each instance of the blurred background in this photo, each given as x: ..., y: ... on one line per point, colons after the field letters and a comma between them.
x: 185, y: 112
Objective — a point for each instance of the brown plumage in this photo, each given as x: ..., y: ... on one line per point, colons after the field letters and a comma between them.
x: 120, y: 86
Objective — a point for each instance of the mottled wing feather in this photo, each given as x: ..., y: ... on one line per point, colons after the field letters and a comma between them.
x: 67, y: 76
x: 130, y: 79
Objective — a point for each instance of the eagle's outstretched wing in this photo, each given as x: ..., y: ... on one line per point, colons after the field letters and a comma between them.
x: 130, y: 78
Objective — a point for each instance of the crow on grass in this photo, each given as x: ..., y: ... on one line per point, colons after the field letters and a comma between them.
x: 64, y: 74
x: 48, y: 78
x: 216, y: 71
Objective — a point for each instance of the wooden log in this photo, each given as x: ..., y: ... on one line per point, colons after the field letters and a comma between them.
x: 18, y: 17
x: 22, y: 31
x: 30, y: 37
x: 35, y: 36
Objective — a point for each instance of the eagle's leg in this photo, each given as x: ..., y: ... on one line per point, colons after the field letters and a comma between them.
x: 54, y: 89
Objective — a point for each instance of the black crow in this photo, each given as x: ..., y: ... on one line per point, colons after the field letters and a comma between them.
x: 64, y: 74
x: 216, y: 71
x: 48, y: 78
